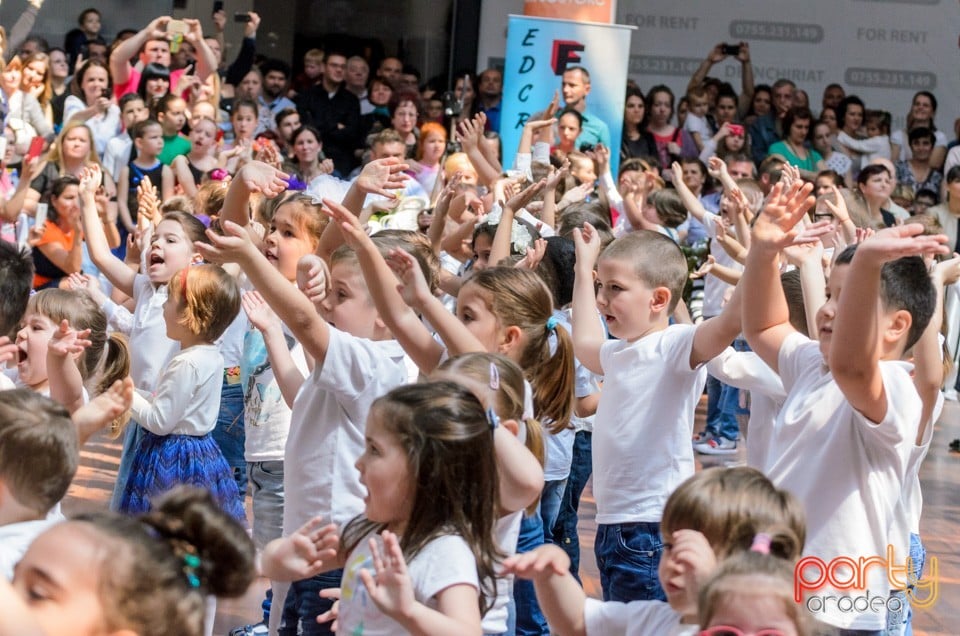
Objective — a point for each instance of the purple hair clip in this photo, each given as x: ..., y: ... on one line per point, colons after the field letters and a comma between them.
x: 219, y: 174
x: 761, y: 543
x: 293, y: 183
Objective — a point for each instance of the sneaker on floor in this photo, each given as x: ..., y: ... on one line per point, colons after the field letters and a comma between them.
x: 702, y: 437
x: 950, y: 395
x: 716, y: 446
x: 250, y: 630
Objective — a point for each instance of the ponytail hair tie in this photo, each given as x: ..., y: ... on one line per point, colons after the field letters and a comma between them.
x: 552, y: 323
x: 218, y: 174
x: 761, y: 543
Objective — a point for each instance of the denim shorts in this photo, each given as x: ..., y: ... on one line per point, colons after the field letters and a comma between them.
x: 628, y: 556
x: 266, y: 490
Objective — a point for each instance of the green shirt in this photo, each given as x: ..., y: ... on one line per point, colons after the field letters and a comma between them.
x: 173, y: 147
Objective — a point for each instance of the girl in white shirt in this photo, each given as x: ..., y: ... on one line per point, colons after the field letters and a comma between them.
x: 177, y: 418
x: 420, y: 558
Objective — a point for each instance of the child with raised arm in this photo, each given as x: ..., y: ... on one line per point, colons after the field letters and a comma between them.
x: 842, y: 439
x: 147, y: 138
x: 357, y: 361
x: 653, y: 379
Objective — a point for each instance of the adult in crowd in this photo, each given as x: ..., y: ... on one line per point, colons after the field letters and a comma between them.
x: 358, y: 74
x: 923, y: 110
x: 335, y: 112
x: 390, y: 69
x: 832, y: 160
x: 874, y: 186
x: 637, y: 141
x: 760, y: 105
x: 59, y: 86
x: 673, y: 143
x: 833, y: 94
x: 717, y: 54
x: 273, y: 97
x: 306, y: 160
x: 92, y: 103
x: 152, y: 44
x: 793, y: 147
x: 37, y: 81
x: 917, y: 172
x: 850, y: 112
x: 575, y: 89
x: 768, y: 129
x: 404, y: 115
x: 58, y: 250
x: 490, y: 94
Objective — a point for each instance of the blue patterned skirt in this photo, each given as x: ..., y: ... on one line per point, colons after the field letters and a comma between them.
x: 161, y: 462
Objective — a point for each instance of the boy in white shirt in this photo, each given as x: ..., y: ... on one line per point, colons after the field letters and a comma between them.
x: 356, y: 361
x: 39, y: 453
x: 653, y: 380
x: 696, y: 122
x: 842, y: 440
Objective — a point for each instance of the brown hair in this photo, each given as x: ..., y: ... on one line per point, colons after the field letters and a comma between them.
x: 307, y: 214
x: 656, y: 259
x: 517, y: 297
x: 208, y: 299
x: 39, y: 451
x: 443, y: 428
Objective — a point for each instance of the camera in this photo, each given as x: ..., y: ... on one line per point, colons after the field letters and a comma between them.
x: 730, y: 49
x: 587, y: 147
x: 451, y: 105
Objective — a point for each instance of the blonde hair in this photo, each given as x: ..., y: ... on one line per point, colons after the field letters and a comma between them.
x: 518, y: 297
x: 40, y: 56
x: 208, y: 299
x: 314, y: 55
x: 55, y: 154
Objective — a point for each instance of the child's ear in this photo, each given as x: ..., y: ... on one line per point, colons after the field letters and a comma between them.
x: 511, y: 425
x: 510, y: 338
x: 661, y: 299
x: 897, y: 327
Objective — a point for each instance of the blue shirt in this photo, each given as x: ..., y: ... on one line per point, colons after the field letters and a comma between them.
x: 594, y: 130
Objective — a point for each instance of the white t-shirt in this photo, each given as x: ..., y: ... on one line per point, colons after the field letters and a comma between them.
x: 745, y: 370
x: 644, y: 422
x: 150, y: 349
x: 187, y: 399
x: 442, y: 563
x: 847, y: 471
x: 696, y: 124
x: 713, y: 287
x: 15, y: 538
x: 265, y: 412
x: 327, y: 428
x: 637, y: 618
x: 117, y: 155
x: 505, y: 533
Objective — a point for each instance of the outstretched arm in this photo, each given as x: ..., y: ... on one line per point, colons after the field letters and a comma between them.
x: 927, y: 354
x: 128, y: 49
x: 560, y: 596
x: 66, y: 383
x: 588, y: 333
x: 689, y: 199
x: 289, y: 377
x: 119, y: 275
x: 856, y: 349
x: 766, y: 317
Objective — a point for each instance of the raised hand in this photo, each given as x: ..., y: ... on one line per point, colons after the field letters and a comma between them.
x: 108, y: 408
x: 389, y: 587
x: 776, y: 226
x: 587, y: 245
x: 704, y: 269
x: 947, y: 272
x: 534, y: 255
x: 233, y: 247
x: 575, y: 195
x: 543, y: 562
x: 304, y: 554
x: 522, y: 198
x: 839, y: 207
x: 350, y: 228
x: 413, y: 286
x: 313, y: 278
x: 67, y: 341
x: 258, y: 311
x: 556, y: 176
x: 715, y: 166
x: 9, y: 351
x: 260, y: 177
x: 383, y: 177
x: 334, y: 612
x: 696, y: 557
x: 90, y: 180
x: 901, y: 240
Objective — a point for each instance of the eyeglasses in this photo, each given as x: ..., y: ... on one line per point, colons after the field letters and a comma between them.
x: 725, y: 630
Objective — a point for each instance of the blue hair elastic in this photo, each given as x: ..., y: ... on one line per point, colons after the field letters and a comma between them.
x: 552, y: 323
x: 190, y: 564
x: 493, y: 418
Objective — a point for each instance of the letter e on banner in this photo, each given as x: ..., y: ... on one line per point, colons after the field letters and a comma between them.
x: 564, y: 54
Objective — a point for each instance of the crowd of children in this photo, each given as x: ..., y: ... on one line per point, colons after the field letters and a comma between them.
x: 414, y: 396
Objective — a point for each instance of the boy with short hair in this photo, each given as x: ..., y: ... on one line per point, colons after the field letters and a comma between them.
x: 16, y: 283
x: 172, y: 115
x: 148, y: 142
x: 843, y: 437
x: 653, y: 379
x: 117, y: 153
x: 38, y: 458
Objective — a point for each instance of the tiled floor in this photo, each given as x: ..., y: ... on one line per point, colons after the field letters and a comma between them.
x: 940, y: 527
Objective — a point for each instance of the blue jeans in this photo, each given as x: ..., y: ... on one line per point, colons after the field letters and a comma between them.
x: 550, y: 501
x: 565, y: 528
x: 229, y: 433
x: 266, y: 491
x: 628, y: 556
x: 530, y: 620
x: 721, y: 409
x: 131, y: 440
x: 304, y: 604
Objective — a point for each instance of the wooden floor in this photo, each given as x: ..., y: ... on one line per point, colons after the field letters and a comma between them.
x: 940, y: 526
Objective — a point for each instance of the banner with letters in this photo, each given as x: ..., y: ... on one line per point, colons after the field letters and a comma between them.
x: 539, y: 50
x: 881, y: 50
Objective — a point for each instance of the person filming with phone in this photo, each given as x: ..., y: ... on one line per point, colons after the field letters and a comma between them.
x: 91, y: 102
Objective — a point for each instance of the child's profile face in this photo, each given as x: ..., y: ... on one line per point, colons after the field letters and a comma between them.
x: 385, y: 473
x: 473, y: 310
x: 348, y: 305
x: 170, y: 251
x: 175, y: 117
x: 32, y: 341
x: 828, y: 313
x: 624, y: 300
x: 753, y: 612
x: 172, y: 315
x: 287, y: 241
x: 57, y: 580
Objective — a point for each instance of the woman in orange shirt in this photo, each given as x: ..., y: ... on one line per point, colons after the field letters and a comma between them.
x: 59, y: 250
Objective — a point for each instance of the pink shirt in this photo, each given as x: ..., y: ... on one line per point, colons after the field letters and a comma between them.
x: 134, y: 81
